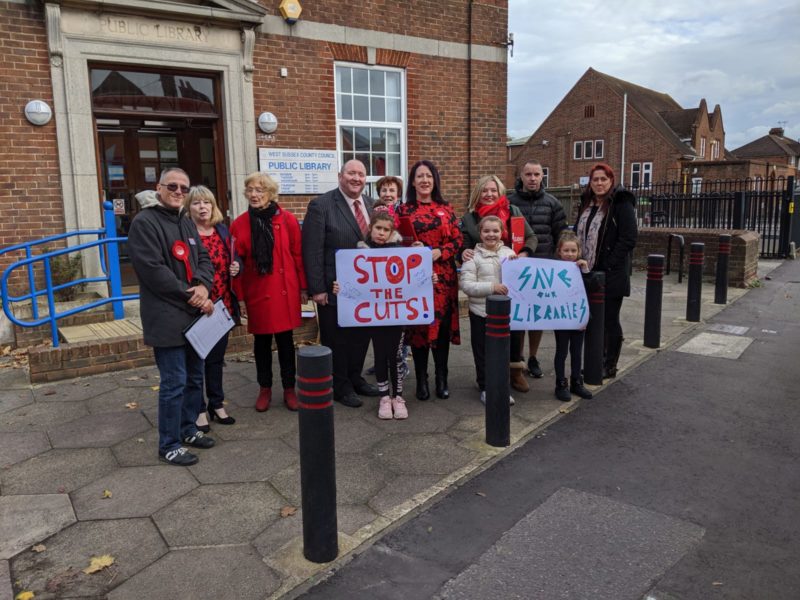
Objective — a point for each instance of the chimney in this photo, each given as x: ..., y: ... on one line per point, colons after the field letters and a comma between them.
x: 776, y: 131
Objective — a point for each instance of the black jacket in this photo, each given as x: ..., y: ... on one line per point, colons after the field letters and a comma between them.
x: 544, y: 214
x: 163, y: 300
x: 617, y: 240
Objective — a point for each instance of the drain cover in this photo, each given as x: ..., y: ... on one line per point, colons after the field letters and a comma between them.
x: 733, y: 329
x: 716, y: 344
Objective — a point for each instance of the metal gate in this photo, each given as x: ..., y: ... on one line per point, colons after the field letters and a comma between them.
x: 750, y: 204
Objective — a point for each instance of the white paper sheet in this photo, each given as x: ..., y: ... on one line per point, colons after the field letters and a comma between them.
x: 207, y: 330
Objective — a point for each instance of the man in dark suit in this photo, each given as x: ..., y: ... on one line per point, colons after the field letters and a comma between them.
x: 338, y: 220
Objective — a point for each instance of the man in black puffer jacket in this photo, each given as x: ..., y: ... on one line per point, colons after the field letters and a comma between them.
x: 546, y: 217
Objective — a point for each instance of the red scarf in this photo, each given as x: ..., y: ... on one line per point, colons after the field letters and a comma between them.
x: 499, y: 209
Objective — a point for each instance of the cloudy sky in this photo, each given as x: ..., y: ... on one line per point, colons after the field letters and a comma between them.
x: 741, y: 54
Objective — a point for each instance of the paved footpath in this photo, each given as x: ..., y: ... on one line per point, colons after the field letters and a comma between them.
x: 679, y: 481
x: 79, y: 476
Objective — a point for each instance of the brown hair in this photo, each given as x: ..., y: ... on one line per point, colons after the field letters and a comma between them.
x: 569, y: 236
x: 492, y: 219
x: 381, y: 215
x: 388, y: 180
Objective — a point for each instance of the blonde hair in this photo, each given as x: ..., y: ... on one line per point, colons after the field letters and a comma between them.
x: 475, y: 196
x: 201, y: 192
x: 266, y: 182
x: 492, y: 219
x: 569, y: 236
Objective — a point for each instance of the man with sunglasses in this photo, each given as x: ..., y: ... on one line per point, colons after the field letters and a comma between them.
x: 175, y: 275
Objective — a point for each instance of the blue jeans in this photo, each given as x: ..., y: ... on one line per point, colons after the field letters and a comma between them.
x: 180, y: 395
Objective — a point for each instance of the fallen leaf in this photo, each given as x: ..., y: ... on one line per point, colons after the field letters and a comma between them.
x: 717, y: 583
x: 39, y: 548
x: 61, y: 489
x: 132, y: 405
x: 481, y: 494
x: 430, y: 529
x: 134, y: 378
x: 107, y: 494
x: 98, y: 563
x: 24, y: 596
x: 288, y: 511
x: 6, y: 350
x: 50, y: 393
x: 563, y: 410
x: 61, y: 579
x: 140, y: 440
x: 154, y: 388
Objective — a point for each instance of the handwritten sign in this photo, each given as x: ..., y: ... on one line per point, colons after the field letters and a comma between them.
x: 389, y: 286
x: 545, y: 294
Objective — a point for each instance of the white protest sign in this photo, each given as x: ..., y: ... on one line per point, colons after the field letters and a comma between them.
x: 545, y: 294
x: 387, y: 286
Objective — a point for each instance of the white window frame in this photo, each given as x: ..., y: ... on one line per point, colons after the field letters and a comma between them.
x: 545, y: 177
x: 588, y: 145
x: 577, y: 151
x: 402, y: 126
x: 647, y: 174
x: 636, y: 175
x: 702, y: 147
x: 714, y: 149
x: 602, y: 147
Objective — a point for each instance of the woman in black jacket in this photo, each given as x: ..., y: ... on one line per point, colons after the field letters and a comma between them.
x: 607, y: 230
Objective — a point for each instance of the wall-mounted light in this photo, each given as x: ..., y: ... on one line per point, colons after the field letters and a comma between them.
x: 290, y: 10
x: 38, y: 112
x: 545, y: 143
x: 267, y: 122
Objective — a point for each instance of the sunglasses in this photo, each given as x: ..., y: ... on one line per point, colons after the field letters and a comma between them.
x: 173, y: 187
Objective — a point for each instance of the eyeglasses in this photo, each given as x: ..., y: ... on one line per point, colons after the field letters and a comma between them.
x: 251, y: 190
x: 173, y: 187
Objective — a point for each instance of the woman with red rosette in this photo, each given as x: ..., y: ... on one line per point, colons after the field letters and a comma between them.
x: 272, y: 283
x: 436, y: 226
x: 488, y: 198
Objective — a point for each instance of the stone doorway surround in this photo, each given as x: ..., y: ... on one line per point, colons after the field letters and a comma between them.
x: 218, y: 38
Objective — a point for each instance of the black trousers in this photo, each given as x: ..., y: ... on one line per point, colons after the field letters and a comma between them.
x: 262, y: 348
x: 612, y: 327
x: 214, y: 363
x: 387, y: 343
x: 477, y: 335
x: 349, y: 346
x: 568, y: 341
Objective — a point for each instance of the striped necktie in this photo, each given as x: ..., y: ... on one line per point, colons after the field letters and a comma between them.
x: 362, y: 222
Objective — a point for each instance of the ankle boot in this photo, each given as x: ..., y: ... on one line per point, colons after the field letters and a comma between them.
x: 562, y: 390
x: 442, y: 391
x: 264, y: 399
x: 613, y: 350
x: 576, y: 387
x: 421, y: 371
x: 518, y: 381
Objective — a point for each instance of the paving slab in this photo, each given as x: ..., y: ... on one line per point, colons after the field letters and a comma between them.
x: 717, y: 344
x: 213, y: 515
x: 231, y: 572
x: 57, y: 572
x: 136, y: 492
x: 116, y: 400
x: 423, y: 417
x: 6, y: 590
x: 98, y: 431
x: 279, y: 532
x: 13, y: 378
x: 82, y: 388
x: 431, y: 454
x: 277, y: 422
x: 399, y: 490
x: 41, y: 416
x: 11, y: 399
x: 577, y: 545
x: 248, y: 460
x: 26, y: 520
x: 16, y: 447
x: 58, y: 471
x: 138, y: 451
x: 358, y: 478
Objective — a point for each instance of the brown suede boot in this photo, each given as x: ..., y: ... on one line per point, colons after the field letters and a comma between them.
x: 518, y: 381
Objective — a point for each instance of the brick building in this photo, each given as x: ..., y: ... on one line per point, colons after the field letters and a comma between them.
x: 772, y: 155
x: 140, y: 85
x: 643, y: 134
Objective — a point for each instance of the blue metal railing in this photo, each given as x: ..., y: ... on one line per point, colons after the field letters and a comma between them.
x: 109, y: 264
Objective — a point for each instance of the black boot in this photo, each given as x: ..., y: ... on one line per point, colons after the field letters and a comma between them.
x: 562, y: 390
x: 440, y: 356
x: 421, y: 370
x: 612, y: 353
x: 576, y: 387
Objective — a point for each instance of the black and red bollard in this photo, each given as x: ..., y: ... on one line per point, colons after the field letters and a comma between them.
x: 317, y: 453
x: 498, y: 347
x: 595, y: 332
x: 695, y: 286
x: 723, y: 256
x: 652, y: 300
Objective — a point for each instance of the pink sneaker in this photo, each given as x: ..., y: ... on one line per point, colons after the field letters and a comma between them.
x: 385, y: 408
x: 399, y: 407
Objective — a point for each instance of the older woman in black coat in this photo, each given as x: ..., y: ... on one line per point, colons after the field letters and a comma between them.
x: 607, y: 230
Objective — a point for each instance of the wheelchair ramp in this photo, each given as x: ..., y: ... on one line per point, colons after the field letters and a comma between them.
x: 101, y: 331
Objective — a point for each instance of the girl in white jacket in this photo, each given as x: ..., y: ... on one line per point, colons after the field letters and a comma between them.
x: 481, y: 277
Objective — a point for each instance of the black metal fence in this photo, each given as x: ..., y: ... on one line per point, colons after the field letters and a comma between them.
x: 752, y: 204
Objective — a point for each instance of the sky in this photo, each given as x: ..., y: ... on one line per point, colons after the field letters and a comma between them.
x: 741, y: 54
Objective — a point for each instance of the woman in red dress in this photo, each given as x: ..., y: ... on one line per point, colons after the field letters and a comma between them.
x: 436, y: 226
x: 272, y: 283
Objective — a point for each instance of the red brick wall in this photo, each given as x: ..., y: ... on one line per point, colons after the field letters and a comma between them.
x: 742, y: 264
x: 30, y: 188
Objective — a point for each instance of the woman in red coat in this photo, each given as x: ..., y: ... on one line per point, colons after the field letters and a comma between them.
x: 272, y: 283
